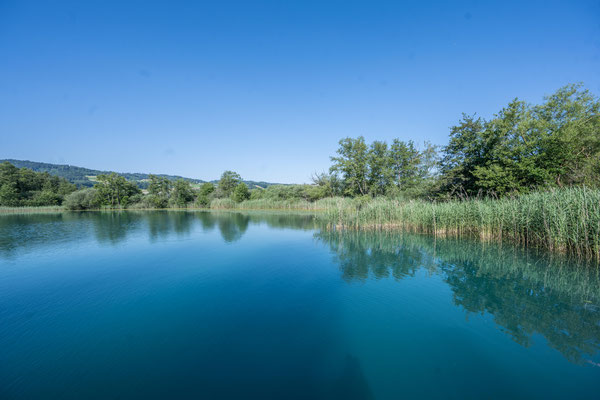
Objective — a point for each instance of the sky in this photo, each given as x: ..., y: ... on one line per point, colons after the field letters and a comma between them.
x: 268, y: 88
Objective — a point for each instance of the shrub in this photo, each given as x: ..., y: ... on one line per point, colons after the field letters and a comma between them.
x: 240, y: 193
x: 84, y: 199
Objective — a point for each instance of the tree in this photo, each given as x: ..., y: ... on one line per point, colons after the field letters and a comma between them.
x: 526, y: 147
x: 205, y: 193
x: 115, y: 190
x: 569, y: 126
x: 464, y: 152
x: 182, y: 193
x: 352, y: 165
x: 404, y: 159
x: 9, y: 193
x: 240, y: 193
x: 229, y: 181
x: 9, y: 196
x: 159, y: 190
x: 323, y: 186
x: 24, y: 187
x: 380, y: 172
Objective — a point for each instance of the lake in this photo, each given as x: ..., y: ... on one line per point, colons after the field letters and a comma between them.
x: 209, y: 305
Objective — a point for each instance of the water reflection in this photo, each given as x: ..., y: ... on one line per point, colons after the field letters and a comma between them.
x: 27, y: 232
x: 526, y: 293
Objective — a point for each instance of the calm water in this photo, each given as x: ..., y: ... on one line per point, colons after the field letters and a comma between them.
x: 204, y: 305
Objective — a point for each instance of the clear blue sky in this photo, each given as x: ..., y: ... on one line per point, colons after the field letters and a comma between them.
x: 268, y: 88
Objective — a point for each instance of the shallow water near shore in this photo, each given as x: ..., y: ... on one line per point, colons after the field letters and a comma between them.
x: 235, y: 305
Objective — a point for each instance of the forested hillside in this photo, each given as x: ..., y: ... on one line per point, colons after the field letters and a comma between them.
x: 85, y: 177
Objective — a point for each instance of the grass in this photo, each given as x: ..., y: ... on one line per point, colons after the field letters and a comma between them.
x: 269, y: 204
x: 566, y: 220
x: 29, y: 210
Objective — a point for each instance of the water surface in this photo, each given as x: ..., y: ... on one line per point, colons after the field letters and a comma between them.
x: 144, y: 305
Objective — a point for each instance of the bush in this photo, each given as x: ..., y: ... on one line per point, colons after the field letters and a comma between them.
x: 257, y: 194
x: 84, y: 199
x: 202, y: 201
x: 45, y: 198
x: 155, y: 201
x: 240, y: 193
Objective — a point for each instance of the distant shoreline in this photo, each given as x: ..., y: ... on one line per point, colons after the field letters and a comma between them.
x: 562, y: 221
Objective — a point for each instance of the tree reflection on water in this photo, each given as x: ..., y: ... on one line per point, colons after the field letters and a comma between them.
x: 525, y: 292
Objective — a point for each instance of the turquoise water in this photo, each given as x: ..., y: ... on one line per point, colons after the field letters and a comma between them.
x: 143, y: 305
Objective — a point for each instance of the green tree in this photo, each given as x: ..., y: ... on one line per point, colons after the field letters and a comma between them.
x: 240, y: 193
x: 525, y: 147
x: 380, y: 171
x: 115, y: 190
x: 352, y: 164
x: 24, y: 187
x: 182, y: 193
x: 568, y: 134
x: 323, y: 186
x: 159, y: 191
x: 228, y: 182
x: 204, y: 195
x: 464, y: 152
x: 9, y: 196
x: 404, y: 159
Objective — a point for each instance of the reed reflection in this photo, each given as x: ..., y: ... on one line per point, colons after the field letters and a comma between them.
x: 526, y: 293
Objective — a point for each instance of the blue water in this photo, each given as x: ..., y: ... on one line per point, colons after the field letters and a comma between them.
x: 155, y: 305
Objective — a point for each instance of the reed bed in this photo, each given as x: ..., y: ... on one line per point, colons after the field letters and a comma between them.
x: 30, y: 210
x: 565, y: 220
x: 269, y: 204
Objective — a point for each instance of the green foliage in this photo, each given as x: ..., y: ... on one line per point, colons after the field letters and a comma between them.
x: 240, y: 193
x: 114, y: 190
x: 352, y: 164
x: 24, y: 187
x: 222, y: 204
x: 566, y: 220
x: 525, y: 147
x: 84, y: 199
x: 159, y: 189
x: 404, y: 159
x: 293, y: 192
x: 182, y: 193
x: 380, y: 172
x: 257, y: 194
x: 205, y: 194
x: 9, y: 195
x: 228, y: 182
x: 207, y: 189
x: 400, y: 169
x: 324, y: 185
x: 81, y: 176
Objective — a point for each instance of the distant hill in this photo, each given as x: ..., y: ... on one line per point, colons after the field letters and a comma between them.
x: 86, y: 177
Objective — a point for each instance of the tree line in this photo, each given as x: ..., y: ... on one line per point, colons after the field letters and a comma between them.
x: 21, y: 187
x: 114, y: 191
x: 522, y: 148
